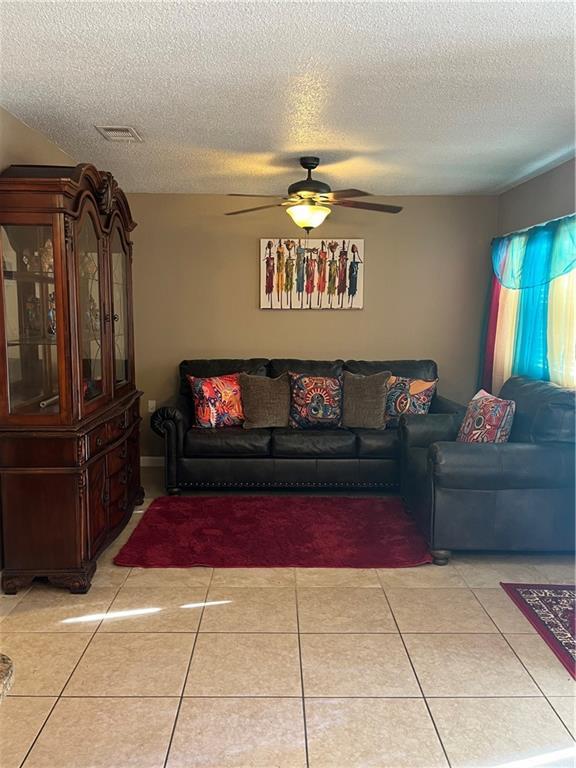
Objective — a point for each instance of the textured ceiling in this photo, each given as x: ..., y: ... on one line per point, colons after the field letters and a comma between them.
x: 397, y: 98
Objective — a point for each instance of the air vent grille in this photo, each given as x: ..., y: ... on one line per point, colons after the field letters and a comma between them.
x: 118, y: 133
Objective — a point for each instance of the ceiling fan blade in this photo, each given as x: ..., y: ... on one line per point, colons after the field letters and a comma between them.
x: 258, y: 208
x: 369, y: 206
x: 240, y: 194
x: 339, y: 194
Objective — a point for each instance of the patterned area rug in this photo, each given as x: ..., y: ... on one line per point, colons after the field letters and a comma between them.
x: 275, y: 531
x: 550, y: 610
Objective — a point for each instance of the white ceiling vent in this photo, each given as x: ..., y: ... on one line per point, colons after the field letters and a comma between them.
x: 118, y: 133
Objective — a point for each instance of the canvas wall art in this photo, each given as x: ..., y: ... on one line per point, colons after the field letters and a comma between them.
x: 311, y: 274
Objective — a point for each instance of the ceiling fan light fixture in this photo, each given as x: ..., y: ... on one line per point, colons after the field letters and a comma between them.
x: 308, y: 214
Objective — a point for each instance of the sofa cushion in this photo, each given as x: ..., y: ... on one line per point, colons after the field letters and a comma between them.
x: 227, y: 441
x: 279, y: 366
x: 544, y: 411
x: 365, y: 400
x: 266, y: 400
x: 378, y: 443
x: 257, y: 366
x: 315, y: 401
x: 411, y: 369
x: 410, y: 397
x: 488, y: 419
x: 217, y: 401
x: 318, y: 443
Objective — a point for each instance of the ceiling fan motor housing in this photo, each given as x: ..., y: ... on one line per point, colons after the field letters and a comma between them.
x: 309, y: 187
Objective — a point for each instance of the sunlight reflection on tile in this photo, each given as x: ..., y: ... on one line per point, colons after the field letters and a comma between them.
x: 111, y: 615
x: 208, y: 603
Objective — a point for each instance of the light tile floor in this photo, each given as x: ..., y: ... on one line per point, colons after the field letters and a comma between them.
x: 285, y: 668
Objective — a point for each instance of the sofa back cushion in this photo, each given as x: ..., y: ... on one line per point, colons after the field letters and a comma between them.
x: 257, y: 366
x: 266, y: 401
x: 544, y: 411
x: 410, y: 369
x: 279, y: 366
x: 365, y: 400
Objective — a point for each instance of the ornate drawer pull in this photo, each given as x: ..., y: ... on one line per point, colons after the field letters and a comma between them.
x: 123, y: 477
x: 99, y: 442
x: 124, y: 452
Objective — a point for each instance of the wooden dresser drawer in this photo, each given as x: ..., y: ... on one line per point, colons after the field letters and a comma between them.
x: 118, y: 484
x: 116, y: 459
x: 118, y: 425
x: 117, y: 511
x: 97, y: 439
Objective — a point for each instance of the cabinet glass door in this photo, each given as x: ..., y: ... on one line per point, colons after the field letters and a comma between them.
x: 29, y: 298
x: 119, y: 271
x: 91, y: 321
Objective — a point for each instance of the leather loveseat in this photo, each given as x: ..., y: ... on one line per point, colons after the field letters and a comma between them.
x: 233, y: 457
x: 515, y: 496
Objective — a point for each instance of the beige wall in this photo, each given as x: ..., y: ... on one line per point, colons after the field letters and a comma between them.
x: 196, y: 288
x: 20, y: 144
x: 196, y: 276
x: 543, y: 198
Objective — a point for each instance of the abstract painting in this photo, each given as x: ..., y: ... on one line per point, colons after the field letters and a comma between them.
x: 311, y: 274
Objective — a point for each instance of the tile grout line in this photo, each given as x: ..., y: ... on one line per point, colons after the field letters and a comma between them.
x: 303, y: 698
x: 59, y: 696
x: 181, y: 697
x: 530, y: 675
x: 416, y: 677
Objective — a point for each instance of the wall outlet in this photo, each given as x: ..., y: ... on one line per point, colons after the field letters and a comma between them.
x: 151, y: 406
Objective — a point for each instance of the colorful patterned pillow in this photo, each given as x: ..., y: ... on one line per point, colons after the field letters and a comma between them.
x: 315, y: 401
x: 408, y: 396
x: 488, y: 419
x: 217, y: 400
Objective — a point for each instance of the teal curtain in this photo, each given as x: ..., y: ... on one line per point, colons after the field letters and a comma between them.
x: 529, y: 324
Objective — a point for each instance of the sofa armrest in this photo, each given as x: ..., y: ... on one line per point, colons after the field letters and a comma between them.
x: 422, y: 431
x: 172, y: 422
x: 492, y: 466
x: 441, y: 404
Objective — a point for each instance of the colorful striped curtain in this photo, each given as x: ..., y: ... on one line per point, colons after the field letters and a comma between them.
x: 530, y: 326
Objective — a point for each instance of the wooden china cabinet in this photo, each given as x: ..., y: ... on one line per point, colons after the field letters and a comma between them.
x: 69, y: 408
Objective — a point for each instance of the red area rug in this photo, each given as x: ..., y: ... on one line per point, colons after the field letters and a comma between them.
x: 274, y: 531
x: 550, y: 610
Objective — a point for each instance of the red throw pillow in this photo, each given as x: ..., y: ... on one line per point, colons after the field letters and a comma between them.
x: 217, y: 400
x: 488, y: 419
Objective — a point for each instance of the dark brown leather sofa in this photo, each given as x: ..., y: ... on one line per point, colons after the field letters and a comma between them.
x: 235, y: 458
x: 516, y: 496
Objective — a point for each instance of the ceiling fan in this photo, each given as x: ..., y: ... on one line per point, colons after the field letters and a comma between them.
x: 309, y: 200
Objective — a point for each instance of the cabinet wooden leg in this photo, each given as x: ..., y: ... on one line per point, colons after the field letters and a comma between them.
x: 78, y: 582
x: 174, y: 491
x: 441, y: 556
x: 11, y: 584
x: 139, y: 497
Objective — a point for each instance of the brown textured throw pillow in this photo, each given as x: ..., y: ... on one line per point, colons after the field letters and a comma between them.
x: 365, y: 400
x: 266, y: 401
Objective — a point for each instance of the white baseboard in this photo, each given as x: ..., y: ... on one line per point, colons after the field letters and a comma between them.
x: 151, y: 461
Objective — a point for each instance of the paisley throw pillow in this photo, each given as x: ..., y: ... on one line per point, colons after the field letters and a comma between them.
x: 408, y: 396
x: 315, y: 401
x: 217, y: 400
x: 488, y: 419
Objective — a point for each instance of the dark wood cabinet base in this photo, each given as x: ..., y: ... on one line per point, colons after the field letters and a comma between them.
x: 76, y: 581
